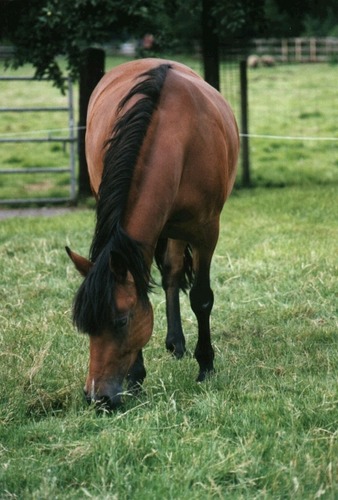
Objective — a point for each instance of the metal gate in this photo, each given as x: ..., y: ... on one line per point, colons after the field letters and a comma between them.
x: 69, y: 137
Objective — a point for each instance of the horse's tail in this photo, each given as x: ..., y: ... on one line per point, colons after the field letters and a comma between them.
x: 188, y: 275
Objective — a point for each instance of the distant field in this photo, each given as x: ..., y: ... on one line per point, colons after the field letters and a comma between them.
x: 294, y: 101
x: 290, y: 100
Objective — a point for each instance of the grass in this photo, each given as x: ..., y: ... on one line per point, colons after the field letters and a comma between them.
x: 293, y: 101
x: 265, y: 426
x: 33, y: 125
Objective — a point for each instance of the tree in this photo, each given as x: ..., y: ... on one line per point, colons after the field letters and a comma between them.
x: 210, y: 45
x: 49, y: 28
x: 292, y: 18
x: 222, y: 21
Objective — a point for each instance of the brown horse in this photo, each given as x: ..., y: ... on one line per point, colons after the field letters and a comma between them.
x: 162, y: 148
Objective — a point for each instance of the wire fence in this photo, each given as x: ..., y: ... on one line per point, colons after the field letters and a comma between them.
x: 292, y: 117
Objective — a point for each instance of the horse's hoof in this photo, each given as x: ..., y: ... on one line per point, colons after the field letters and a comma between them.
x: 203, y: 374
x: 177, y: 350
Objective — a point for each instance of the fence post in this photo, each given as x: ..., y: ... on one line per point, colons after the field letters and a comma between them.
x: 244, y: 124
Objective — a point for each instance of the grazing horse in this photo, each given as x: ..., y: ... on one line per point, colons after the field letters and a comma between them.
x: 162, y: 148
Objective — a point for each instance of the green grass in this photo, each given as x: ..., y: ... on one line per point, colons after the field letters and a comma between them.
x: 293, y: 101
x: 34, y: 125
x: 265, y: 426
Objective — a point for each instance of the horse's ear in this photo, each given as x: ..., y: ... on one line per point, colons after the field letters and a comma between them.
x: 118, y: 266
x: 82, y: 264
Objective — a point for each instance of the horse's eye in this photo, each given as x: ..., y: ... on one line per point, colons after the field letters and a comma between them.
x: 120, y: 322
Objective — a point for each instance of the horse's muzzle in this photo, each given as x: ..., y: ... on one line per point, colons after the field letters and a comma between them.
x: 104, y: 404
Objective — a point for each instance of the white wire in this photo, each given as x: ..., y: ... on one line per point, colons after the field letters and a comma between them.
x: 253, y: 136
x: 289, y: 138
x: 36, y: 132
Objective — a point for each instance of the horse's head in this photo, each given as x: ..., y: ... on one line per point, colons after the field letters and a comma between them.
x: 118, y: 326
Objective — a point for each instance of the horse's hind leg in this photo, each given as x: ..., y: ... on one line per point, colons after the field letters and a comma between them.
x: 202, y: 300
x: 172, y: 272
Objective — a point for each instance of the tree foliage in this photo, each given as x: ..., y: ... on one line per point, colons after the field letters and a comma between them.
x: 289, y: 18
x: 50, y: 28
x: 179, y: 24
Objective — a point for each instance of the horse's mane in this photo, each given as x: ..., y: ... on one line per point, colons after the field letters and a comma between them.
x: 94, y: 303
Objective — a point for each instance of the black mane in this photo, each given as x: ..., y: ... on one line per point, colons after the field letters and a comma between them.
x: 94, y: 302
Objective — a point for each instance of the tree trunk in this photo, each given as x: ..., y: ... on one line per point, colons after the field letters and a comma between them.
x: 91, y: 72
x: 245, y: 124
x: 210, y: 45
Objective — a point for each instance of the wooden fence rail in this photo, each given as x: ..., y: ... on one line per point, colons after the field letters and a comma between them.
x: 297, y: 49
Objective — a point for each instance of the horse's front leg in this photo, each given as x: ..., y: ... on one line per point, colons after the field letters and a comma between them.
x: 172, y: 271
x: 136, y: 374
x: 175, y: 341
x: 202, y: 300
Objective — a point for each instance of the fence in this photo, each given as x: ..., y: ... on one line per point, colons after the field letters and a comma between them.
x: 40, y: 170
x: 293, y: 112
x: 298, y: 49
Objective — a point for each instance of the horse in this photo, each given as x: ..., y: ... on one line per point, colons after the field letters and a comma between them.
x: 162, y: 148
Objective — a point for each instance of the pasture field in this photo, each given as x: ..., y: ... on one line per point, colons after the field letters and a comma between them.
x: 287, y: 100
x: 264, y: 426
x: 37, y: 126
